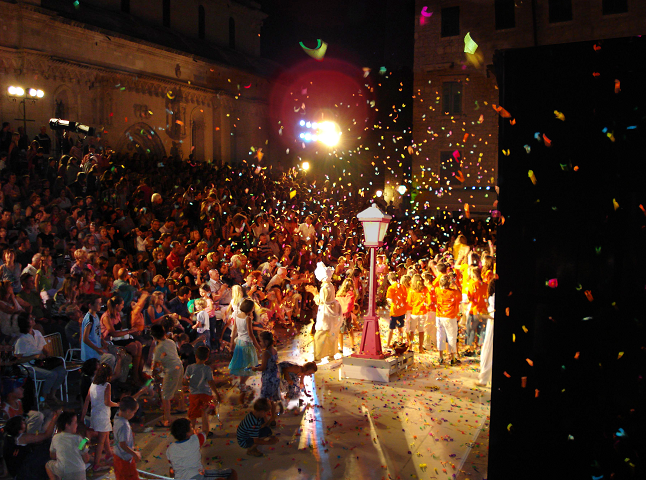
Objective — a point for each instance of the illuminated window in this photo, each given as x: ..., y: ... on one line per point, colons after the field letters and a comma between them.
x: 505, y: 14
x: 450, y: 21
x: 560, y: 11
x: 452, y: 97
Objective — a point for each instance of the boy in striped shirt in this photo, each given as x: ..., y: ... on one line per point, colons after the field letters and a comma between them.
x: 254, y: 429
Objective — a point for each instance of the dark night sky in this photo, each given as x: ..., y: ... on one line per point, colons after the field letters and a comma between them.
x: 365, y: 32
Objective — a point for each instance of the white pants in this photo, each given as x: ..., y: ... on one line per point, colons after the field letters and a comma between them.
x: 486, y: 355
x: 416, y: 323
x: 447, y: 331
x: 430, y: 330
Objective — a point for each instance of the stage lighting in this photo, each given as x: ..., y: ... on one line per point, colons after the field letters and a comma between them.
x: 401, y: 189
x: 60, y: 124
x: 329, y: 133
x: 305, y: 166
x: 379, y: 193
x: 16, y: 91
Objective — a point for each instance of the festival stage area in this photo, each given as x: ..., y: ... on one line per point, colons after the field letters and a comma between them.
x: 431, y: 422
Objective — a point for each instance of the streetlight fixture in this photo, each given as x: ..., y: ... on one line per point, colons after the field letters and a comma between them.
x: 375, y: 225
x: 16, y: 93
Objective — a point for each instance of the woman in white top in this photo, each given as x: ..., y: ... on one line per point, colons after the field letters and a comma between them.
x: 29, y: 348
x: 329, y: 314
x: 245, y: 353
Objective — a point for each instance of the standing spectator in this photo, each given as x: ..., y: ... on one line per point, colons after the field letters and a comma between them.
x: 43, y: 140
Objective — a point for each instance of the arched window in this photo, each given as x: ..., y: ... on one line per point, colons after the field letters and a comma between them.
x: 166, y: 13
x: 232, y: 33
x: 201, y: 22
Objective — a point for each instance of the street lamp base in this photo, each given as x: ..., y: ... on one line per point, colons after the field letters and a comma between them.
x: 370, y: 340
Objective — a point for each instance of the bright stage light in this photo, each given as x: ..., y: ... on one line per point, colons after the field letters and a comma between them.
x: 32, y: 92
x: 379, y: 193
x: 401, y: 189
x: 329, y: 133
x: 305, y: 166
x: 302, y: 123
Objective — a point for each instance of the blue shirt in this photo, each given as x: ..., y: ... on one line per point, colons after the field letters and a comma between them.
x: 248, y: 429
x: 88, y: 352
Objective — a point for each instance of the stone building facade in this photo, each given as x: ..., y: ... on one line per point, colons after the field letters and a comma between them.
x: 154, y: 76
x: 454, y: 91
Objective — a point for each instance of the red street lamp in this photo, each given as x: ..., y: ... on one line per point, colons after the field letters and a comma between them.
x: 375, y: 225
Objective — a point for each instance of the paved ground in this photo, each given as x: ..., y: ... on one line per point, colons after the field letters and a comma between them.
x: 432, y: 422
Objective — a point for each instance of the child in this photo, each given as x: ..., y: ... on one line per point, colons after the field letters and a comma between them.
x: 101, y: 400
x: 125, y: 456
x: 254, y: 429
x: 294, y: 375
x: 13, y: 392
x: 244, y: 354
x: 185, y: 349
x: 418, y: 300
x: 68, y: 456
x: 185, y: 457
x: 448, y: 306
x: 166, y: 356
x: 270, y: 388
x: 202, y: 323
x: 477, y: 296
x: 202, y: 389
x: 346, y: 296
x: 396, y: 296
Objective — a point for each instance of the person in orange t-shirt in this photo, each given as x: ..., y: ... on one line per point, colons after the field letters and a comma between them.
x: 418, y: 301
x: 396, y: 296
x: 477, y: 296
x: 448, y: 306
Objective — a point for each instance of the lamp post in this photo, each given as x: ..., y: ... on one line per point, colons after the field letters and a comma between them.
x: 16, y: 93
x: 375, y: 225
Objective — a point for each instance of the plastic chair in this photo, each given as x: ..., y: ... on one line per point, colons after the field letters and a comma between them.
x: 54, y: 348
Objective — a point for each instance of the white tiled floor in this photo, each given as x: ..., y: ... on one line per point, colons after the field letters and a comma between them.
x: 432, y: 422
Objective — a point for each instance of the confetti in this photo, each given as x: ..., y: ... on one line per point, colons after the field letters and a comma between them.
x: 531, y: 176
x: 559, y: 115
x: 469, y: 45
x: 552, y: 283
x: 617, y: 86
x: 316, y: 53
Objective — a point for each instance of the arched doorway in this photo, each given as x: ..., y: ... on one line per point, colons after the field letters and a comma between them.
x: 141, y: 138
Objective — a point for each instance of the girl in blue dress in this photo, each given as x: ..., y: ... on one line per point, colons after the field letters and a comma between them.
x: 270, y: 381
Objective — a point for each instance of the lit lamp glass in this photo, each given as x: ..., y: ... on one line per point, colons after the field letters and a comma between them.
x: 375, y: 225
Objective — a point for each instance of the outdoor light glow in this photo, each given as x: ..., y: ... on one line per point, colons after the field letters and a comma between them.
x: 329, y: 133
x: 379, y: 193
x: 17, y: 91
x: 308, y: 125
x: 302, y: 123
x: 401, y: 189
x: 306, y: 166
x: 32, y: 92
x: 40, y: 93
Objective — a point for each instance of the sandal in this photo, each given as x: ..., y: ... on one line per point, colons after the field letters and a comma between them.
x: 162, y: 424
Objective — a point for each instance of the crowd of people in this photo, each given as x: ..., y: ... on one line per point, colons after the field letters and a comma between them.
x: 148, y: 268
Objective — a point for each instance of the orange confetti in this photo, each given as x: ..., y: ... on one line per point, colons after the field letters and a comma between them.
x: 548, y: 142
x: 503, y: 113
x: 576, y: 168
x: 641, y: 207
x: 459, y: 176
x: 595, y: 74
x: 576, y: 355
x: 523, y: 382
x: 512, y: 121
x: 466, y: 135
x: 531, y: 362
x: 536, y: 393
x: 588, y: 295
x: 507, y: 311
x: 467, y: 211
x: 617, y: 86
x: 596, y: 47
x: 506, y: 374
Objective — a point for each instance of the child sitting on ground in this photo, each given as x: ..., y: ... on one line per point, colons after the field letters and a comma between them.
x: 68, y: 450
x: 199, y: 377
x: 185, y: 457
x: 13, y: 392
x: 125, y: 455
x: 254, y: 429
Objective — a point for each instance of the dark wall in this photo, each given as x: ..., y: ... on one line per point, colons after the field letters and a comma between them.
x: 587, y: 350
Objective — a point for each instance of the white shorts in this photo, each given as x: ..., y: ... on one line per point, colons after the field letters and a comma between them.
x: 417, y: 323
x: 447, y: 331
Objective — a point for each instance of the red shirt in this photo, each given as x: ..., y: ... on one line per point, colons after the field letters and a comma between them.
x: 173, y: 261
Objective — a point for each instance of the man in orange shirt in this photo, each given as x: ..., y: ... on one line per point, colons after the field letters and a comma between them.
x: 396, y: 296
x: 448, y: 306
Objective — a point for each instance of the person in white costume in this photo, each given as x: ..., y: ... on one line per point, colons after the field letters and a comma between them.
x: 328, y: 317
x: 486, y: 357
